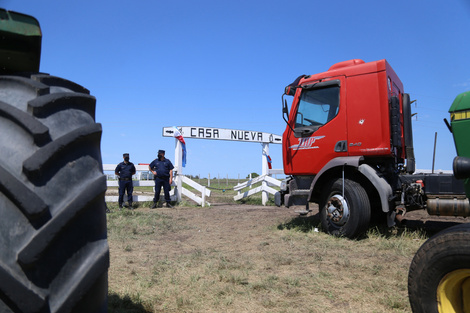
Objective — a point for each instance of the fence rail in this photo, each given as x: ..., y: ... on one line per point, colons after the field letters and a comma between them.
x: 177, y: 186
x: 140, y: 169
x: 265, y: 181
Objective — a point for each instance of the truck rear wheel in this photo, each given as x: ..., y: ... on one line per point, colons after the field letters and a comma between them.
x: 439, y: 275
x: 345, y: 214
x: 53, y: 237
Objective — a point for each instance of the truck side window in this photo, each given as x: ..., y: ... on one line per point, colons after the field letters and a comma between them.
x: 317, y: 106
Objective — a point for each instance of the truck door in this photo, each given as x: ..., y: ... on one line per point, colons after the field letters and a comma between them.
x: 317, y: 130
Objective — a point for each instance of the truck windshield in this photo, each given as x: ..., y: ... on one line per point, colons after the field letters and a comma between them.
x: 317, y: 106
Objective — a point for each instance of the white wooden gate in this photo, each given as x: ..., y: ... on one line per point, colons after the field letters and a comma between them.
x: 213, y: 133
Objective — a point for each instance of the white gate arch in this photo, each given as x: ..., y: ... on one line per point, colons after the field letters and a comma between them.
x: 213, y: 133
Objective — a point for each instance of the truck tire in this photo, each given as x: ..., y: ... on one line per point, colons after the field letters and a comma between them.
x: 345, y: 215
x: 439, y: 275
x: 53, y: 239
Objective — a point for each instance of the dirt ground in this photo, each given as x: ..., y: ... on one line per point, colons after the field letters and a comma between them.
x: 234, y: 228
x: 239, y: 227
x: 241, y: 253
x: 224, y: 203
x: 234, y: 216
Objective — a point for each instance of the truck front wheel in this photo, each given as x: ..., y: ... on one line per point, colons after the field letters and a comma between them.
x: 344, y: 211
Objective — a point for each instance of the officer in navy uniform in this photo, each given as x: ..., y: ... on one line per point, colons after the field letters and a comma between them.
x: 124, y: 171
x: 162, y: 170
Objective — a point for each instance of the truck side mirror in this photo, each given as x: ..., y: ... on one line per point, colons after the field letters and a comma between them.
x: 285, y: 110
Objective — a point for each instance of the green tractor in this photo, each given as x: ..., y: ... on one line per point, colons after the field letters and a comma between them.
x: 439, y: 275
x: 21, y: 43
x: 53, y: 237
x: 460, y: 128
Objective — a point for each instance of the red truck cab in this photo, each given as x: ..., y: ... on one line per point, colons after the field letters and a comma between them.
x: 348, y: 146
x: 345, y: 111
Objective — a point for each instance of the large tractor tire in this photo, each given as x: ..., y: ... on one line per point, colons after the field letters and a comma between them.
x: 53, y: 240
x: 345, y: 215
x: 439, y: 276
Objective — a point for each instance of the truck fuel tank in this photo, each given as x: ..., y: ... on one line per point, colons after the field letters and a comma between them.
x: 451, y: 206
x: 444, y: 194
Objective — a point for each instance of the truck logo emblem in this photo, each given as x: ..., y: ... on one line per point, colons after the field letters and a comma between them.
x: 357, y: 144
x: 361, y: 121
x: 306, y: 143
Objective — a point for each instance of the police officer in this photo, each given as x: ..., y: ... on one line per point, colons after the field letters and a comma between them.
x: 162, y: 170
x: 124, y: 171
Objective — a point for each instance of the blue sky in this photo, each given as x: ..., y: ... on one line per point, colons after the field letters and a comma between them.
x: 225, y: 64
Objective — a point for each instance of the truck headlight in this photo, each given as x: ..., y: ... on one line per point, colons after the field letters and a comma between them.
x: 284, y: 185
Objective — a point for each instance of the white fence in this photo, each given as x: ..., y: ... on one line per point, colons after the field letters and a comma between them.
x: 265, y: 179
x: 202, y: 189
x: 174, y: 193
x: 249, y: 183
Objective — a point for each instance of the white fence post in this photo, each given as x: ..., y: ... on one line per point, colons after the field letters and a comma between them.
x: 178, y: 169
x: 203, y: 203
x: 264, y: 171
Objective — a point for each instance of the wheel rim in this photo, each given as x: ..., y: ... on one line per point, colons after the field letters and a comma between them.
x: 337, y: 210
x: 453, y: 292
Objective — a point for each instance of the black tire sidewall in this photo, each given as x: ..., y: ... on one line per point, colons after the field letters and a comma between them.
x: 53, y: 234
x: 358, y: 205
x: 440, y: 255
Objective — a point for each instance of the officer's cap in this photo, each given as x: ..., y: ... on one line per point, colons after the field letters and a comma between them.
x: 126, y: 155
x: 161, y: 151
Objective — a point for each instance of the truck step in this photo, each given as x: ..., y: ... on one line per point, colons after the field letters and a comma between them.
x: 300, y: 192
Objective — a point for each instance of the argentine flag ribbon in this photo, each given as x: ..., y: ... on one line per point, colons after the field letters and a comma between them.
x: 178, y: 136
x: 268, y: 158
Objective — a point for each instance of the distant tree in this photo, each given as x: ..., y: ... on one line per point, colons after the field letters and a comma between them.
x: 253, y: 175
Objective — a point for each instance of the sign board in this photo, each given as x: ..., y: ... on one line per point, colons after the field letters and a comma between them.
x: 197, y: 132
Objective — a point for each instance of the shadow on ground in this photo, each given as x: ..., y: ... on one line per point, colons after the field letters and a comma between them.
x: 427, y: 227
x: 118, y: 304
x: 302, y: 223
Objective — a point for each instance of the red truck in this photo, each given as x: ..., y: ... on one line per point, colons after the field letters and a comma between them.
x: 348, y: 146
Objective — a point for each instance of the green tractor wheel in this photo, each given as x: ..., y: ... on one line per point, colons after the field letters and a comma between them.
x: 439, y: 275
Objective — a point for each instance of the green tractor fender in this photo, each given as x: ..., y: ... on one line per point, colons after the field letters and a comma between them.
x: 21, y: 43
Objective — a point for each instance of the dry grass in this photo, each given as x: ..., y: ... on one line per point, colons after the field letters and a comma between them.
x: 244, y: 258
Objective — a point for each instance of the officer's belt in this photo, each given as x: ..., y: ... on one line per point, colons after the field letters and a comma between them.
x: 125, y: 178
